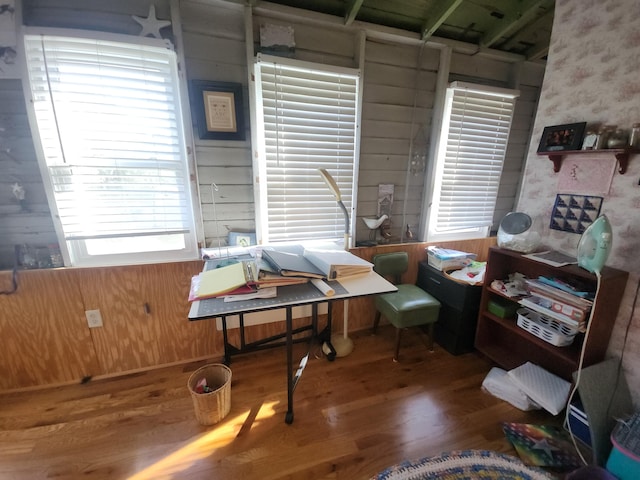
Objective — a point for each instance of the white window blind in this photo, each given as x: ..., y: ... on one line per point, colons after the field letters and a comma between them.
x: 471, y: 155
x: 109, y: 122
x: 307, y: 119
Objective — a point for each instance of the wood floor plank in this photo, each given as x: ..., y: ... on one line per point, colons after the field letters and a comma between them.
x: 353, y: 417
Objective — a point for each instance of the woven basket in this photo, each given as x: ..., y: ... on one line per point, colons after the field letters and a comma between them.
x: 211, y: 407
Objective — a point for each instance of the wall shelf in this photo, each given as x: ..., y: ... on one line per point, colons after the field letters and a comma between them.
x: 622, y: 156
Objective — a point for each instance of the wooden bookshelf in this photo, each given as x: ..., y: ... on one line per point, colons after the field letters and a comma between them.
x: 508, y: 345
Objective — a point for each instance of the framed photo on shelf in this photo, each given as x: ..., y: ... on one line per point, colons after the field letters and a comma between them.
x: 218, y: 110
x: 560, y: 138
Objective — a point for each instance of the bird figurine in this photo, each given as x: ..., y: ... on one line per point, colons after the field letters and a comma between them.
x: 374, y: 223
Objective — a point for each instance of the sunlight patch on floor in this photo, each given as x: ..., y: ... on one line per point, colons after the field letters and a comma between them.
x: 221, y: 435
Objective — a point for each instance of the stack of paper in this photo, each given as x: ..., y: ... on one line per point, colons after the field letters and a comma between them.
x: 446, y: 258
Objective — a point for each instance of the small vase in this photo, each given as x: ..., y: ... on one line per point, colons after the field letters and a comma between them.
x: 618, y: 139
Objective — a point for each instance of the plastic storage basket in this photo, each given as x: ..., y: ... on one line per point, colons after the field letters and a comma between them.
x: 211, y: 407
x: 624, y: 459
x: 548, y: 329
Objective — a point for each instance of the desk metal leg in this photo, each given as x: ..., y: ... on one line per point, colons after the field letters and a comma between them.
x: 290, y: 381
x: 227, y: 352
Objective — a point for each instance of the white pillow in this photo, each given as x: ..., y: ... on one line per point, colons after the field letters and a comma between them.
x: 546, y: 389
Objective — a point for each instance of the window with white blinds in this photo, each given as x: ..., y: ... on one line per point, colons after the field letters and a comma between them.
x: 110, y: 126
x: 470, y: 158
x: 307, y: 120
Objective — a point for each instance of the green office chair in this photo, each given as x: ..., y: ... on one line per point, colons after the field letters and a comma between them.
x: 410, y: 306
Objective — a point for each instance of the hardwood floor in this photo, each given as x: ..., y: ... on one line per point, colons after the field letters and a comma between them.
x: 353, y: 417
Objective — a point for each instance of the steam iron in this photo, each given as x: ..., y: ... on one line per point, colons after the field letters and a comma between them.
x: 595, y: 245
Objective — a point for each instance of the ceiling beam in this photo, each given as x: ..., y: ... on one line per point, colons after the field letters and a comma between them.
x: 380, y: 32
x: 352, y: 11
x: 537, y: 29
x: 538, y: 52
x: 514, y: 19
x: 438, y: 17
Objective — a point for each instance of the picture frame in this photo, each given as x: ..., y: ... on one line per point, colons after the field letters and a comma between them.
x: 242, y: 239
x: 560, y: 138
x: 218, y: 110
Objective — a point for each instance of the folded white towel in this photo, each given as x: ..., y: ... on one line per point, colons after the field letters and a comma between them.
x: 499, y: 384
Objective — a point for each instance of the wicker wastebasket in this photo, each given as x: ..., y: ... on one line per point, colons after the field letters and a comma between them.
x: 211, y: 407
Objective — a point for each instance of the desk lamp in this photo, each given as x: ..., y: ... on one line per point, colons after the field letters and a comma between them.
x: 343, y: 345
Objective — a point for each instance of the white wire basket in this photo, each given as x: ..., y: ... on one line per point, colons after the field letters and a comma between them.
x: 550, y: 330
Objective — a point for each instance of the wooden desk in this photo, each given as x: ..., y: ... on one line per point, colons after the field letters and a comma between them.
x: 288, y: 298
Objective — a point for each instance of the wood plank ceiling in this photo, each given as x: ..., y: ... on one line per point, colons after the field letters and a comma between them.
x: 522, y: 27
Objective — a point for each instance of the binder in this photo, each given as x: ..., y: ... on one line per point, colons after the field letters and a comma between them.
x: 268, y: 279
x: 336, y: 264
x: 291, y: 264
x: 237, y: 278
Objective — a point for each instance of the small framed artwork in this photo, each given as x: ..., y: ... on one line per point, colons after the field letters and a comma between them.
x: 218, y: 110
x: 560, y: 138
x: 242, y: 239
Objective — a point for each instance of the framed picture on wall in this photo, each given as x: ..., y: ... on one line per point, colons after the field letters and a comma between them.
x: 560, y: 138
x: 218, y: 110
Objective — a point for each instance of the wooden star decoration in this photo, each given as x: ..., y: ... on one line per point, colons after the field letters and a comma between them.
x: 151, y: 25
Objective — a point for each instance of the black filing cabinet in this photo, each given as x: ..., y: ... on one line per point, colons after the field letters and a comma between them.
x: 455, y: 329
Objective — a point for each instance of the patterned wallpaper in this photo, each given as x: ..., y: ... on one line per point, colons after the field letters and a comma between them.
x: 593, y: 75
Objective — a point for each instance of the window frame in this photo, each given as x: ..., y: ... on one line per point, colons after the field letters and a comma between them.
x: 469, y: 232
x: 75, y: 251
x: 323, y: 191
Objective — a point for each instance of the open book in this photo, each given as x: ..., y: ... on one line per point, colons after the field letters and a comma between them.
x: 336, y: 264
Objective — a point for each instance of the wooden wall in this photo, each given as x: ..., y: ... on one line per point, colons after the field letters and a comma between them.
x: 214, y: 49
x: 144, y: 308
x: 397, y: 75
x: 399, y: 93
x: 29, y: 221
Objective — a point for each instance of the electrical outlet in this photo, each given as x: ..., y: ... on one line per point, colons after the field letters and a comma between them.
x: 94, y: 319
